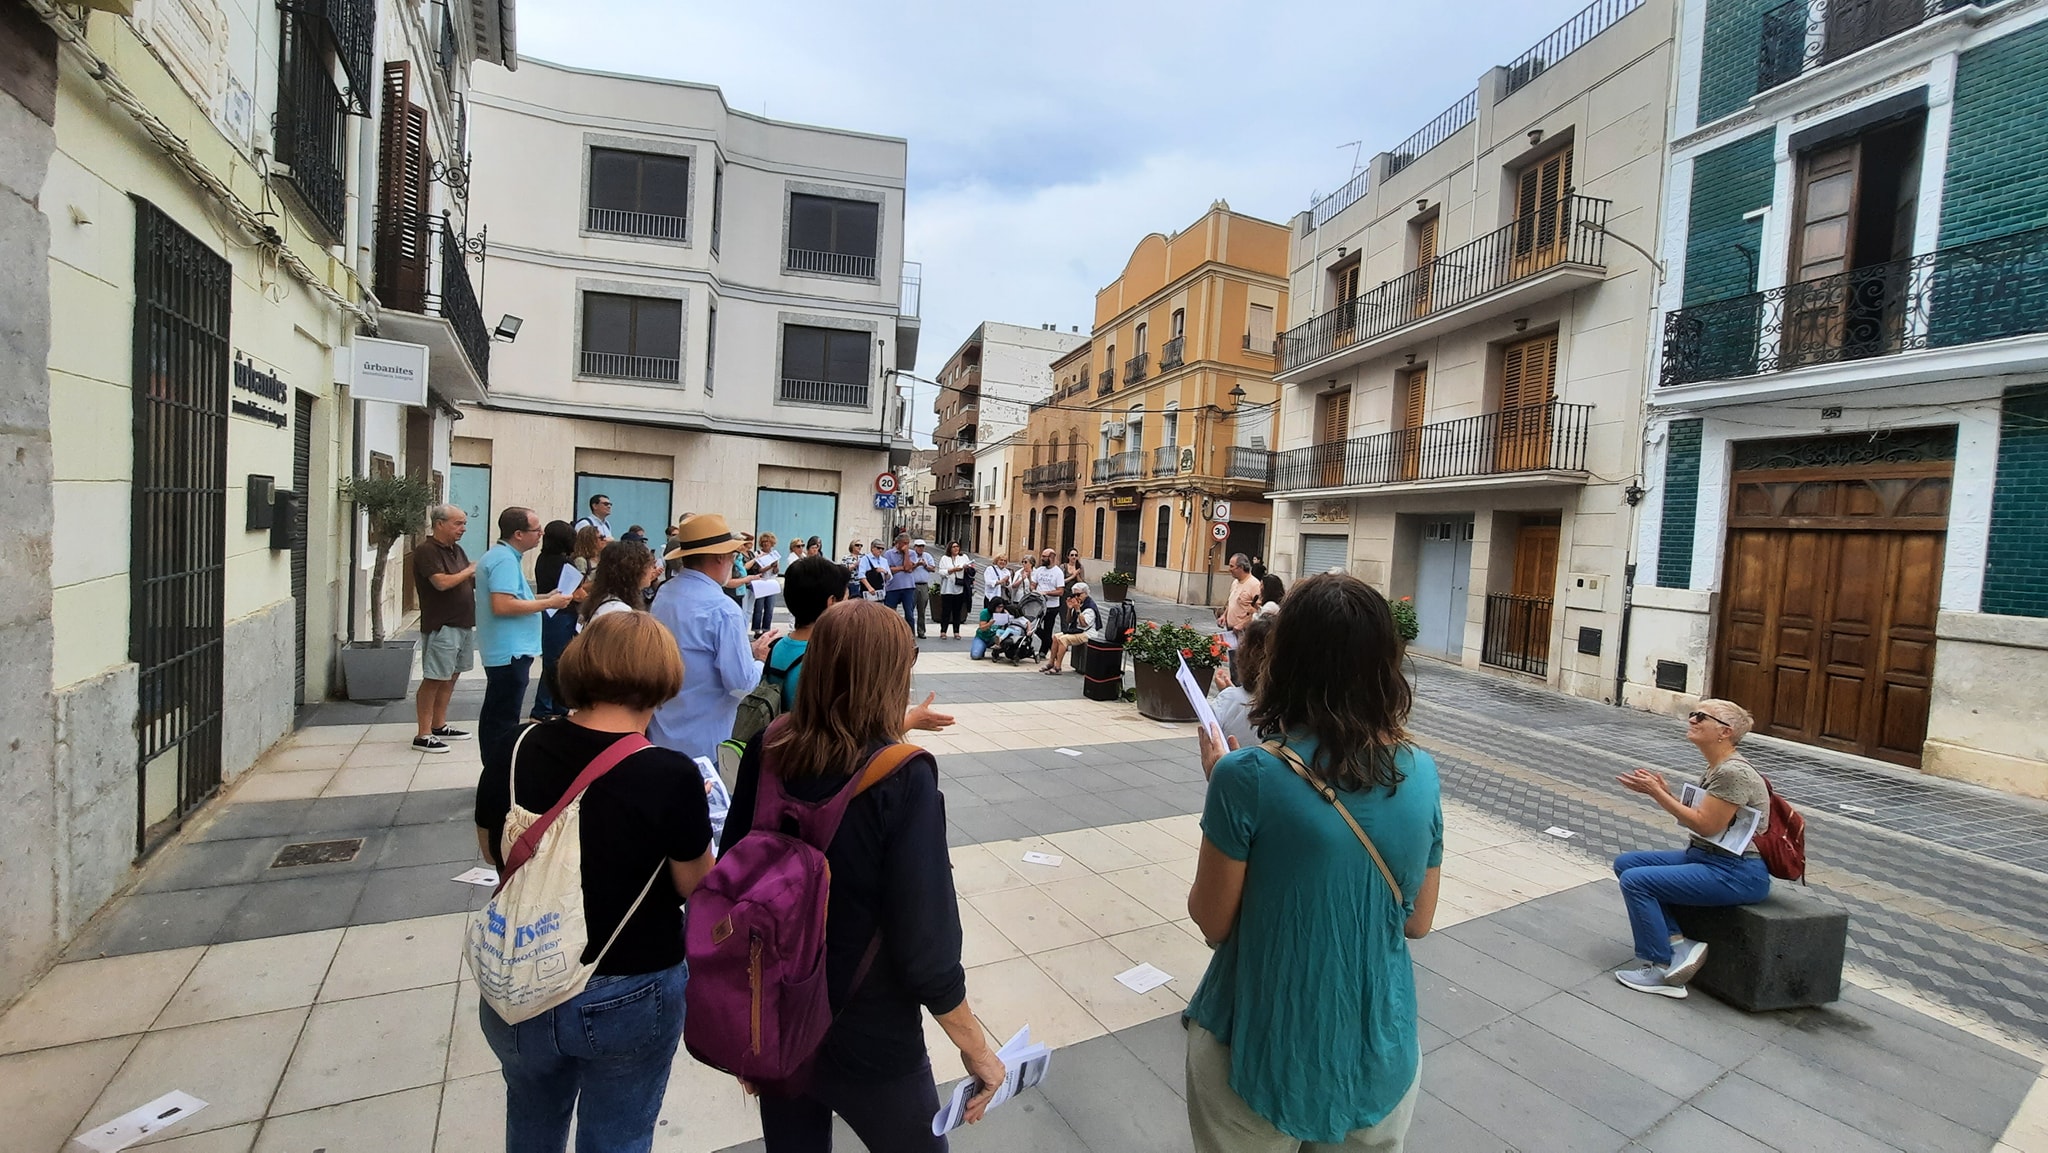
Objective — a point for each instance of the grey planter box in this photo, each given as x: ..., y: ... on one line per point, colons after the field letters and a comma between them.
x: 377, y: 674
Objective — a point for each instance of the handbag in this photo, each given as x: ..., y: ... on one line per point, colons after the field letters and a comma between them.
x: 1293, y: 761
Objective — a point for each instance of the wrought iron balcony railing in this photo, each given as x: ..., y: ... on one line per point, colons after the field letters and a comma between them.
x: 952, y: 492
x: 1134, y: 368
x: 350, y: 26
x: 423, y: 267
x: 1165, y: 460
x: 1536, y: 438
x: 830, y: 263
x: 1170, y: 353
x: 1249, y: 464
x: 1106, y: 382
x: 622, y: 366
x: 312, y: 136
x: 1321, y: 210
x: 1435, y: 132
x: 652, y: 225
x: 1801, y: 35
x: 1055, y: 477
x: 1569, y: 37
x: 1571, y: 231
x: 1117, y: 467
x: 1517, y: 633
x: 829, y: 393
x: 1971, y: 293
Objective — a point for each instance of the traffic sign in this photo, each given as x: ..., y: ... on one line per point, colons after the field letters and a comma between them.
x: 1220, y: 531
x: 885, y: 500
x: 1222, y: 511
x: 885, y: 483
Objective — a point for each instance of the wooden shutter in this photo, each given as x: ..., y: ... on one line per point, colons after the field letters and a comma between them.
x: 1414, y: 402
x: 1347, y: 282
x: 1822, y: 236
x: 1527, y: 381
x: 1540, y: 193
x: 1425, y: 242
x: 403, y: 254
x: 1335, y: 424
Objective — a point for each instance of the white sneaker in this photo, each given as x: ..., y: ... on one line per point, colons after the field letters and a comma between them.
x: 1686, y: 958
x: 1650, y: 979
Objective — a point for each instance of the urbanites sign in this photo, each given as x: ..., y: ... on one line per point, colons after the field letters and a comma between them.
x: 388, y: 370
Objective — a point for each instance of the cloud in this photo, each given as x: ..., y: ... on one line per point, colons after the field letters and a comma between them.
x: 1046, y: 140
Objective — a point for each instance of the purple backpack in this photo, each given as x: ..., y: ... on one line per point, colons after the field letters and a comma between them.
x: 756, y: 1004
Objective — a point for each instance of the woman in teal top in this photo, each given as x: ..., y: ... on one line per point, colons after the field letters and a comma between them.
x: 1303, y: 1029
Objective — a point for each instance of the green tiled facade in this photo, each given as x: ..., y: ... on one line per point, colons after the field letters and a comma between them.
x: 2016, y: 564
x: 1729, y: 47
x: 1681, y: 505
x: 1727, y: 183
x: 1997, y: 179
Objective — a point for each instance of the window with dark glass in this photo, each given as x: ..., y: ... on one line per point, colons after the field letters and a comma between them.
x: 834, y: 236
x: 632, y: 337
x: 717, y: 203
x: 1159, y: 537
x: 825, y: 366
x: 639, y: 194
x: 710, y: 348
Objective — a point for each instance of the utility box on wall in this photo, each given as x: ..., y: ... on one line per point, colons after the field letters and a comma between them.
x: 1585, y: 591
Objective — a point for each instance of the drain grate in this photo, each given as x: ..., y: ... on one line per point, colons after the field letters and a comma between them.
x: 318, y: 853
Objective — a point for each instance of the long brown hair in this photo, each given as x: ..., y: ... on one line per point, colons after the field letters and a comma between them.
x: 1334, y: 671
x: 620, y: 575
x: 588, y: 544
x: 851, y: 697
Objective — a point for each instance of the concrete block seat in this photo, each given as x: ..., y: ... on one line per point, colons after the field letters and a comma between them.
x: 1781, y: 953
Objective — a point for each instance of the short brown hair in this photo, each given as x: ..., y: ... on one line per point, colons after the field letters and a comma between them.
x: 620, y: 659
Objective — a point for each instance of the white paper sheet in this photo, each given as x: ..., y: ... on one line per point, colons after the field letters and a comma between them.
x: 138, y: 1123
x: 487, y: 878
x: 1561, y: 833
x: 1067, y: 751
x: 1197, y: 698
x: 1740, y: 831
x: 1035, y: 858
x: 569, y: 582
x: 1143, y: 978
x: 1025, y: 1061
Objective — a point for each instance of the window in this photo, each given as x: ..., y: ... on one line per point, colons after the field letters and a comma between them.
x: 717, y: 203
x: 639, y: 194
x: 1542, y: 219
x: 1854, y: 213
x: 827, y: 366
x: 312, y: 113
x: 710, y: 347
x: 1258, y: 328
x: 833, y: 236
x: 1172, y: 425
x: 1528, y: 383
x: 1159, y: 537
x: 1180, y: 323
x: 632, y: 337
x: 1139, y: 344
x: 1134, y: 436
x: 1101, y: 525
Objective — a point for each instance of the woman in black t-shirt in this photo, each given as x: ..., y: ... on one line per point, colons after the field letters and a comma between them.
x: 605, y: 1054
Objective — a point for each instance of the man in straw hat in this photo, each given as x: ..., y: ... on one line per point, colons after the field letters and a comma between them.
x: 719, y: 664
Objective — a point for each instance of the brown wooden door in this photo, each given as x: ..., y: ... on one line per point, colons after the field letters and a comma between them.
x: 1832, y: 584
x: 1823, y: 248
x: 1414, y: 405
x: 1333, y: 428
x: 1542, y: 213
x: 1536, y: 579
x: 1347, y: 303
x: 1425, y: 261
x: 1527, y: 381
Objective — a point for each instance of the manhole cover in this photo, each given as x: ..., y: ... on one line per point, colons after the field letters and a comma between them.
x: 318, y: 853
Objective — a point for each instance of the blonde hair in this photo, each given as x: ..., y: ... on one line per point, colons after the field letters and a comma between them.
x: 767, y: 542
x: 1737, y: 718
x: 855, y: 686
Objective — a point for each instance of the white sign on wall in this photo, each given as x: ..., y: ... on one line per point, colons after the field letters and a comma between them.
x: 388, y: 370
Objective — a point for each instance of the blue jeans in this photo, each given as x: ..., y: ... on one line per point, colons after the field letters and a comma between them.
x: 498, y: 720
x: 903, y: 601
x: 764, y: 613
x: 555, y: 634
x: 603, y: 1056
x: 1693, y: 876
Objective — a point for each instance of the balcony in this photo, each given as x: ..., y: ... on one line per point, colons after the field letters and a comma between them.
x: 1802, y: 35
x: 650, y: 225
x: 1058, y: 476
x: 952, y: 492
x: 909, y: 298
x: 1121, y: 467
x: 830, y: 263
x: 1106, y: 383
x: 1253, y: 464
x: 830, y: 394
x: 422, y: 280
x: 1166, y: 460
x: 1517, y: 633
x: 1134, y: 368
x: 1989, y: 290
x: 1518, y: 445
x: 1170, y: 353
x: 961, y: 419
x: 311, y: 123
x: 954, y: 457
x: 351, y: 27
x: 624, y: 366
x: 1551, y: 251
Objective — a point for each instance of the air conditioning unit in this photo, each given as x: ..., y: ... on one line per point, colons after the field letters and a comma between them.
x: 1116, y: 429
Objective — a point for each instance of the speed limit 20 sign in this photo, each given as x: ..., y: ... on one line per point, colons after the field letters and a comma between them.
x: 885, y: 483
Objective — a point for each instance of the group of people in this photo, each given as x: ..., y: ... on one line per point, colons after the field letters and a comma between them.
x: 907, y: 577
x: 1320, y: 857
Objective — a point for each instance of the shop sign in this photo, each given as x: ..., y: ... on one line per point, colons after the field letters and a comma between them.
x: 388, y: 370
x: 1127, y: 500
x: 1326, y: 512
x: 256, y: 392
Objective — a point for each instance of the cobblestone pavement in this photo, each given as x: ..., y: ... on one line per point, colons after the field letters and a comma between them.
x: 325, y: 1006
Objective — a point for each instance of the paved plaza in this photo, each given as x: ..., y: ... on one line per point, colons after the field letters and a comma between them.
x: 326, y: 1006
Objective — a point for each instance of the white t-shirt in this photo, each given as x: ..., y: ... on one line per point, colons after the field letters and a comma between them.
x: 604, y: 526
x: 1233, y: 708
x: 1048, y: 579
x: 995, y: 581
x: 609, y: 606
x: 919, y: 574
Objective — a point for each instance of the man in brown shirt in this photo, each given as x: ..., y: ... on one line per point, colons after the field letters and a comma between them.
x: 445, y: 579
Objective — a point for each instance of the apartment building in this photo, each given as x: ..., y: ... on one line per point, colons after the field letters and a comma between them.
x: 205, y: 176
x: 996, y: 488
x: 1845, y: 530
x: 1460, y: 416
x: 711, y: 307
x: 985, y: 391
x: 1160, y: 422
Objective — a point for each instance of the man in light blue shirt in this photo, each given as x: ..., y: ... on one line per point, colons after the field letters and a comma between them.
x: 507, y: 628
x: 719, y: 664
x: 900, y: 594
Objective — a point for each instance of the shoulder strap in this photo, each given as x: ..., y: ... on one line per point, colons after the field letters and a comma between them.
x: 529, y: 841
x: 1293, y: 761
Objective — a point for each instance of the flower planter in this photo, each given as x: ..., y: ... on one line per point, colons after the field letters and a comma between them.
x: 1114, y: 594
x: 1160, y: 696
x: 377, y: 674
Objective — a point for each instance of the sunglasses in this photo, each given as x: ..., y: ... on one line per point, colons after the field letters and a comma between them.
x: 1700, y: 716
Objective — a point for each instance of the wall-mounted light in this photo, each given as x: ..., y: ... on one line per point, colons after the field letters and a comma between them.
x: 1535, y: 137
x: 508, y: 328
x: 1237, y: 395
x: 1411, y: 358
x: 1341, y: 250
x: 1634, y: 494
x: 1521, y: 324
x: 1422, y: 204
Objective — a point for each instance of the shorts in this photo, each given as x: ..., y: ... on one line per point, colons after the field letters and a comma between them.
x: 447, y: 652
x: 1073, y: 640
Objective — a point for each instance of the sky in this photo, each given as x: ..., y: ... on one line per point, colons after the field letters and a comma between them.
x: 1044, y: 145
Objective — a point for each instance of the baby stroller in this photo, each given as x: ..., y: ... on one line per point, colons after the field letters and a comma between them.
x: 1014, y: 640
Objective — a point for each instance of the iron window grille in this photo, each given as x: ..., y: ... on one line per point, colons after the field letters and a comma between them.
x: 312, y: 141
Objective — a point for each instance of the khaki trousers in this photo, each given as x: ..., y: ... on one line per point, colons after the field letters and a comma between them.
x: 1223, y: 1123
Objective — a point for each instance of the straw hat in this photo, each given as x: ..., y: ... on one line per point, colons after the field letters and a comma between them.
x: 704, y: 534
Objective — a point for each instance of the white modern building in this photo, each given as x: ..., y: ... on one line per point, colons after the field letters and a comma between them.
x: 709, y: 308
x: 987, y: 389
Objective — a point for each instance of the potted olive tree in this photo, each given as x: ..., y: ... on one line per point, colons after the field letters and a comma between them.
x: 396, y: 507
x: 1156, y: 651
